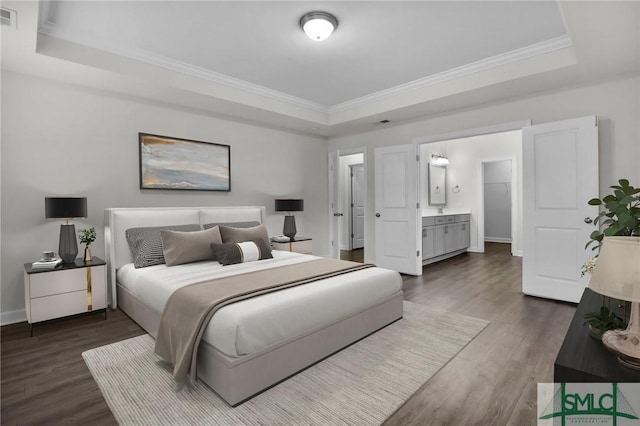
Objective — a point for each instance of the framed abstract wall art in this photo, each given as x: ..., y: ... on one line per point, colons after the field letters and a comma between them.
x: 174, y: 163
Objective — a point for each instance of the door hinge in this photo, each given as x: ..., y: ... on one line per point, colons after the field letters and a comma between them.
x: 332, y: 243
x: 417, y: 157
x: 417, y: 205
x: 417, y: 253
x: 352, y: 235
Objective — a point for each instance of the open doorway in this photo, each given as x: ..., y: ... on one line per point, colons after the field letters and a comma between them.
x: 348, y: 193
x: 351, y: 190
x: 465, y: 181
x: 499, y: 202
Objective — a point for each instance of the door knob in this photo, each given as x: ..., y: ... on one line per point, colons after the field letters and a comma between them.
x: 587, y: 220
x: 338, y: 214
x: 377, y: 214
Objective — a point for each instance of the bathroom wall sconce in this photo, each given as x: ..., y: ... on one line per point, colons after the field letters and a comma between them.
x: 455, y: 189
x: 439, y: 159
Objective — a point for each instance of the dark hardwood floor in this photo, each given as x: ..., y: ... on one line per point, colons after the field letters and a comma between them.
x: 356, y: 255
x: 492, y: 381
x: 44, y: 378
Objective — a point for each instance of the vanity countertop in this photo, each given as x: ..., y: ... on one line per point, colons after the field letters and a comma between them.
x: 445, y: 212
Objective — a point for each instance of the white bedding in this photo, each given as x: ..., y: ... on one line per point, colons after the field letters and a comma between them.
x: 250, y: 325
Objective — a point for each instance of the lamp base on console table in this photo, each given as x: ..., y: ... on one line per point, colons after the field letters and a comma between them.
x: 626, y: 343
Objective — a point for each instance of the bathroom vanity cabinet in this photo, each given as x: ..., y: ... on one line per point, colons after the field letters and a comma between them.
x: 444, y: 236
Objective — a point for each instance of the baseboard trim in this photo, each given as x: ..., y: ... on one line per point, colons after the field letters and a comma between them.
x: 519, y: 253
x: 12, y: 317
x: 497, y: 240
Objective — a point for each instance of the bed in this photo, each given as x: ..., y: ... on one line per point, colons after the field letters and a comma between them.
x: 253, y: 344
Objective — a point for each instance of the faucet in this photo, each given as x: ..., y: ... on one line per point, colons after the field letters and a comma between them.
x: 440, y: 210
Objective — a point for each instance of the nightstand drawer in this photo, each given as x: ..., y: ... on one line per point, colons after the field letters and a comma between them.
x: 59, y: 305
x: 56, y: 282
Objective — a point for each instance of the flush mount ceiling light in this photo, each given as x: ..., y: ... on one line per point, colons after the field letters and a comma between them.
x: 318, y: 25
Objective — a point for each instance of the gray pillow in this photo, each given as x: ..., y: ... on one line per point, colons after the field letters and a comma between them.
x: 247, y: 251
x: 238, y: 235
x: 146, y: 246
x: 186, y: 247
x: 232, y: 224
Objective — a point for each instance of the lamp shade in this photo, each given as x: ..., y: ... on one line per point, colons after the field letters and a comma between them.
x: 289, y: 205
x: 65, y: 208
x: 617, y: 270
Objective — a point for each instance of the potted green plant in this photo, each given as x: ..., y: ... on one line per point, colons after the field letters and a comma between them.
x: 599, y: 322
x: 87, y: 236
x: 619, y: 217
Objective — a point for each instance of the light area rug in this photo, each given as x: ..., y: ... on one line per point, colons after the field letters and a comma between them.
x: 360, y: 385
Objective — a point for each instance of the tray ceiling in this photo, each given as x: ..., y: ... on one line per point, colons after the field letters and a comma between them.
x: 387, y: 59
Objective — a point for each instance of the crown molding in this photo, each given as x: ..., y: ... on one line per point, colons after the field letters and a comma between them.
x: 48, y: 27
x: 546, y: 46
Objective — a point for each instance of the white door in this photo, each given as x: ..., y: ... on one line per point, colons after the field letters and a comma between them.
x: 560, y: 163
x: 357, y: 206
x: 397, y: 210
x: 334, y: 193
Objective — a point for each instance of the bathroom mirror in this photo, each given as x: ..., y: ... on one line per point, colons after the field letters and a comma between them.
x: 437, y: 185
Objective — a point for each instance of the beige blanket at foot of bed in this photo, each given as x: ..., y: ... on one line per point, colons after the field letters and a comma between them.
x: 190, y: 308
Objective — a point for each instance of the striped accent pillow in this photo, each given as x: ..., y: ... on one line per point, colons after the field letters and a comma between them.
x: 146, y: 244
x: 247, y: 251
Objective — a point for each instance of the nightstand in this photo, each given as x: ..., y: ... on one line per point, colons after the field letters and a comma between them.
x: 66, y: 290
x: 298, y: 245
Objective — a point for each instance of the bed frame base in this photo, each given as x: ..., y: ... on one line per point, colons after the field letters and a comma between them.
x: 255, y: 373
x: 239, y: 379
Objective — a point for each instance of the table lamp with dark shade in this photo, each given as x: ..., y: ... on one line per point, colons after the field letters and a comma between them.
x: 66, y: 208
x: 289, y: 205
x: 617, y: 275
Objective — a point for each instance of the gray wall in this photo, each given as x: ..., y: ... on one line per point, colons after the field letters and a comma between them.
x: 616, y: 103
x: 59, y: 139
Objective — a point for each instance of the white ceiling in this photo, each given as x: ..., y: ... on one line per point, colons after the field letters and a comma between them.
x: 394, y: 60
x: 376, y: 46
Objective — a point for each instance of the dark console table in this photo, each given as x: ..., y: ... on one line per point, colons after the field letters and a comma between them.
x: 583, y: 359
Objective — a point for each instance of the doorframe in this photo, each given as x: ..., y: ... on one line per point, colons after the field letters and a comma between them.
x: 335, y: 174
x: 478, y: 131
x: 514, y: 202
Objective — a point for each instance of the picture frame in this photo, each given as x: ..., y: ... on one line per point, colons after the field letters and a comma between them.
x: 183, y: 164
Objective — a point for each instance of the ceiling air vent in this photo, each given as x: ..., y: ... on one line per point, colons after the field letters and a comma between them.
x: 8, y: 17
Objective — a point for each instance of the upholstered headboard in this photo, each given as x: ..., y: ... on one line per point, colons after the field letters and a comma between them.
x: 118, y: 220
